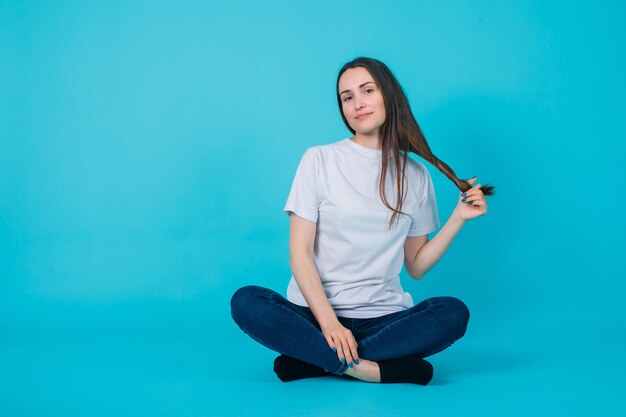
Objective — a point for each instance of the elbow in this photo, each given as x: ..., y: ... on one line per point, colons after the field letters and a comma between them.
x: 417, y: 277
x: 418, y: 273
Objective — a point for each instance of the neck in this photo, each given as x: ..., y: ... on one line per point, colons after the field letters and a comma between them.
x: 369, y: 140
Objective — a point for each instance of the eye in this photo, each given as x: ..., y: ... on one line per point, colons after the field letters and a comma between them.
x: 345, y: 98
x: 369, y: 89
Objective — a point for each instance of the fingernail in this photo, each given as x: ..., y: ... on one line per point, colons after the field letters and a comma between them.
x: 343, y: 360
x: 356, y: 361
x: 471, y: 202
x: 464, y: 199
x: 464, y: 194
x: 334, y: 349
x: 350, y: 365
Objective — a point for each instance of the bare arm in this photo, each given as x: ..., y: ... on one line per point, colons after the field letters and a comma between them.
x: 420, y: 254
x: 301, y: 239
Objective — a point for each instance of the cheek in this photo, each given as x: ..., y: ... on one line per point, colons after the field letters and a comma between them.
x: 381, y: 106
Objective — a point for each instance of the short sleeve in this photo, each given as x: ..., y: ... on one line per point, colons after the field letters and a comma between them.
x: 303, y: 196
x: 425, y: 217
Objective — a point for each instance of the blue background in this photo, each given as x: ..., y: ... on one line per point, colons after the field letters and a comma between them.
x: 147, y: 150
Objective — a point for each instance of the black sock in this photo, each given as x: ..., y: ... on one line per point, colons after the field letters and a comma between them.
x: 290, y: 369
x: 413, y: 369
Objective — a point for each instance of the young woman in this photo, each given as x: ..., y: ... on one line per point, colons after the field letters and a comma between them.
x: 346, y: 312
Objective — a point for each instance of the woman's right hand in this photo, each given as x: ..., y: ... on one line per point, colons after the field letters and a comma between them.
x: 342, y: 339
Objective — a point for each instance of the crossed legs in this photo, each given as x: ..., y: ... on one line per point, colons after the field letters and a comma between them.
x: 275, y: 322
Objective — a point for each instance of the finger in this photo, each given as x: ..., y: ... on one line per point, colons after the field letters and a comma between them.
x: 480, y: 203
x: 331, y: 344
x: 348, y: 353
x: 481, y: 206
x: 355, y: 353
x: 477, y: 202
x: 349, y: 348
x: 473, y: 191
x: 471, y: 198
x: 338, y: 345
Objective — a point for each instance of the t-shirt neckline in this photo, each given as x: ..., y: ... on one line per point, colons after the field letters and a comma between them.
x: 367, y: 152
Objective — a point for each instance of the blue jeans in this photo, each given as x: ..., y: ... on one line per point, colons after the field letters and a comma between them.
x: 290, y: 329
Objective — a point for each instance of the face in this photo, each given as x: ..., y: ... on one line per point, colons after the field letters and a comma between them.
x: 360, y: 96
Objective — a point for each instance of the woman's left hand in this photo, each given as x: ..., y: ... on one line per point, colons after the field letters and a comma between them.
x: 472, y: 204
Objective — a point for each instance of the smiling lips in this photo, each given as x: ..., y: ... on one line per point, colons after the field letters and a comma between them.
x: 359, y: 117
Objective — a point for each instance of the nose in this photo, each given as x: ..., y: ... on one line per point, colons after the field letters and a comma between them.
x: 357, y: 102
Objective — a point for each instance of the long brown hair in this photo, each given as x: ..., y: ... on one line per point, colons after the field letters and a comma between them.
x: 400, y: 133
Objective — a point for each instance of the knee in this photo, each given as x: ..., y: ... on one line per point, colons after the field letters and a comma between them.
x: 240, y: 302
x: 458, y: 314
x: 243, y: 301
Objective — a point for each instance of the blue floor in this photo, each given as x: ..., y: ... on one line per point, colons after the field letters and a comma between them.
x: 575, y: 372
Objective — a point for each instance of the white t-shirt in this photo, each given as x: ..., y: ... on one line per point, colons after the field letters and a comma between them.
x: 358, y: 260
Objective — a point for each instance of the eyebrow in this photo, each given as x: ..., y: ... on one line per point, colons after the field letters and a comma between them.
x: 347, y: 91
